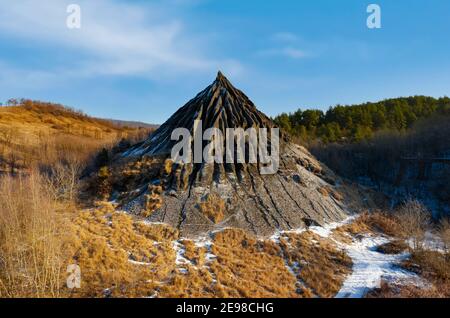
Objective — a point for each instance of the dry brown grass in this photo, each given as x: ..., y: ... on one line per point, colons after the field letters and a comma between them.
x: 42, y: 134
x: 324, y: 191
x: 323, y: 267
x: 433, y: 266
x: 213, y: 207
x: 194, y: 253
x: 394, y: 247
x: 369, y: 223
x: 33, y: 229
x: 389, y: 290
x: 327, y: 191
x: 153, y: 200
x: 246, y: 267
x: 120, y: 256
x: 117, y: 253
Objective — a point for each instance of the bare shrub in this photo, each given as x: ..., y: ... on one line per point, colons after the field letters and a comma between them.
x: 213, y: 206
x: 153, y: 200
x: 64, y: 180
x: 433, y: 266
x: 444, y: 234
x: 414, y: 219
x: 394, y: 247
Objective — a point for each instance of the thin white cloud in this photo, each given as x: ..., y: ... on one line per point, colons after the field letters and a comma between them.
x: 287, y: 52
x: 286, y: 37
x: 116, y: 38
x: 284, y: 44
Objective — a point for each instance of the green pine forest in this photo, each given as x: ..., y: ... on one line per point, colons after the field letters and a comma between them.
x: 356, y: 123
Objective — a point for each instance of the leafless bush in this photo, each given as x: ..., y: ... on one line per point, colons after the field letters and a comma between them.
x: 414, y: 219
x: 64, y: 179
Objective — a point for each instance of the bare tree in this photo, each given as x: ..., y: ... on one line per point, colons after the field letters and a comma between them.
x: 444, y: 234
x: 414, y: 219
x: 64, y: 179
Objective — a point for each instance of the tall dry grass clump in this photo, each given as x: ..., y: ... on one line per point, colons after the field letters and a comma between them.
x: 32, y: 232
x: 213, y: 207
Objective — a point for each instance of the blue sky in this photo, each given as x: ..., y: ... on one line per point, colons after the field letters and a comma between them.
x: 142, y: 60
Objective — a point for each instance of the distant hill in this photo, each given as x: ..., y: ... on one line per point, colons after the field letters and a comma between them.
x: 133, y: 124
x: 35, y: 131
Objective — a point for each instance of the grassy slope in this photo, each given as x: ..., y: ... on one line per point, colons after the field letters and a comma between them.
x: 42, y: 132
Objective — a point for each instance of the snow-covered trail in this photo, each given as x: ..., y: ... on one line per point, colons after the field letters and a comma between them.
x: 370, y: 267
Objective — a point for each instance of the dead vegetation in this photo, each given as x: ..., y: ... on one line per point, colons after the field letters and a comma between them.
x: 390, y: 290
x: 394, y: 247
x: 42, y: 134
x: 322, y: 267
x: 433, y: 266
x: 327, y: 191
x: 414, y: 219
x: 213, y: 207
x: 153, y: 200
x: 369, y: 223
x: 246, y: 267
x: 116, y: 253
x: 33, y: 228
x: 407, y: 225
x: 133, y: 259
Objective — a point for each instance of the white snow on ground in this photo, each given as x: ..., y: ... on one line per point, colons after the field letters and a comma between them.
x: 139, y: 263
x: 432, y: 242
x: 180, y: 260
x: 370, y: 267
x: 206, y: 243
x: 323, y: 231
x: 276, y: 237
x: 326, y: 230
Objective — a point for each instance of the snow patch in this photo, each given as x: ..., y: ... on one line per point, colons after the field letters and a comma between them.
x: 326, y: 230
x: 370, y: 267
x: 139, y: 263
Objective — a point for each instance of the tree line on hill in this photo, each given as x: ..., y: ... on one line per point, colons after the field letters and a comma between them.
x: 372, y: 141
x: 355, y: 123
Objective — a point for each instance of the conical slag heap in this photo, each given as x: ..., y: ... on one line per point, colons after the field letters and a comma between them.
x: 197, y: 198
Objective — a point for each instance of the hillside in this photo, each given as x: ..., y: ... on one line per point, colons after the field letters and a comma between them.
x: 413, y: 163
x: 397, y: 146
x: 353, y: 123
x: 38, y: 132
